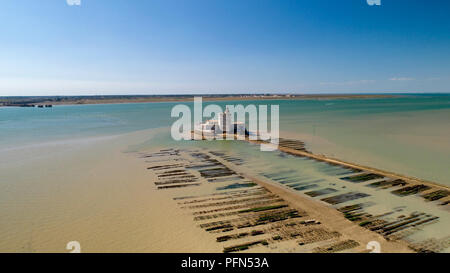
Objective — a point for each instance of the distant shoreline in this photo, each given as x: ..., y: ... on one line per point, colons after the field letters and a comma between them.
x: 79, y: 100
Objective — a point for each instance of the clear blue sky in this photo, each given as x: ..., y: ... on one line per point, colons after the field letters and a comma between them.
x: 223, y: 46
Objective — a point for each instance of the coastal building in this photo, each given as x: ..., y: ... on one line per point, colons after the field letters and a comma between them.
x: 225, y: 122
x: 224, y: 125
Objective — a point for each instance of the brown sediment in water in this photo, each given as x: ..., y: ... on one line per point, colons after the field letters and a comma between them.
x: 391, y: 230
x: 297, y: 148
x: 268, y: 217
x: 415, y: 185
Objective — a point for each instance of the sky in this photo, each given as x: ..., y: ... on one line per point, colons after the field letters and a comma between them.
x: 48, y: 47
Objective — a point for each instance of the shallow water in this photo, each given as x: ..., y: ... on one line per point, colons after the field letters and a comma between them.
x: 304, y: 175
x: 408, y: 135
x: 44, y: 150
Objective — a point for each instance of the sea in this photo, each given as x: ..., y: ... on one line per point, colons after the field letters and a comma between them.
x: 58, y: 183
x: 409, y: 134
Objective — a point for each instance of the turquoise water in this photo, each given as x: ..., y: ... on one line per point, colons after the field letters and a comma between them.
x: 303, y: 175
x: 409, y: 135
x: 33, y: 125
